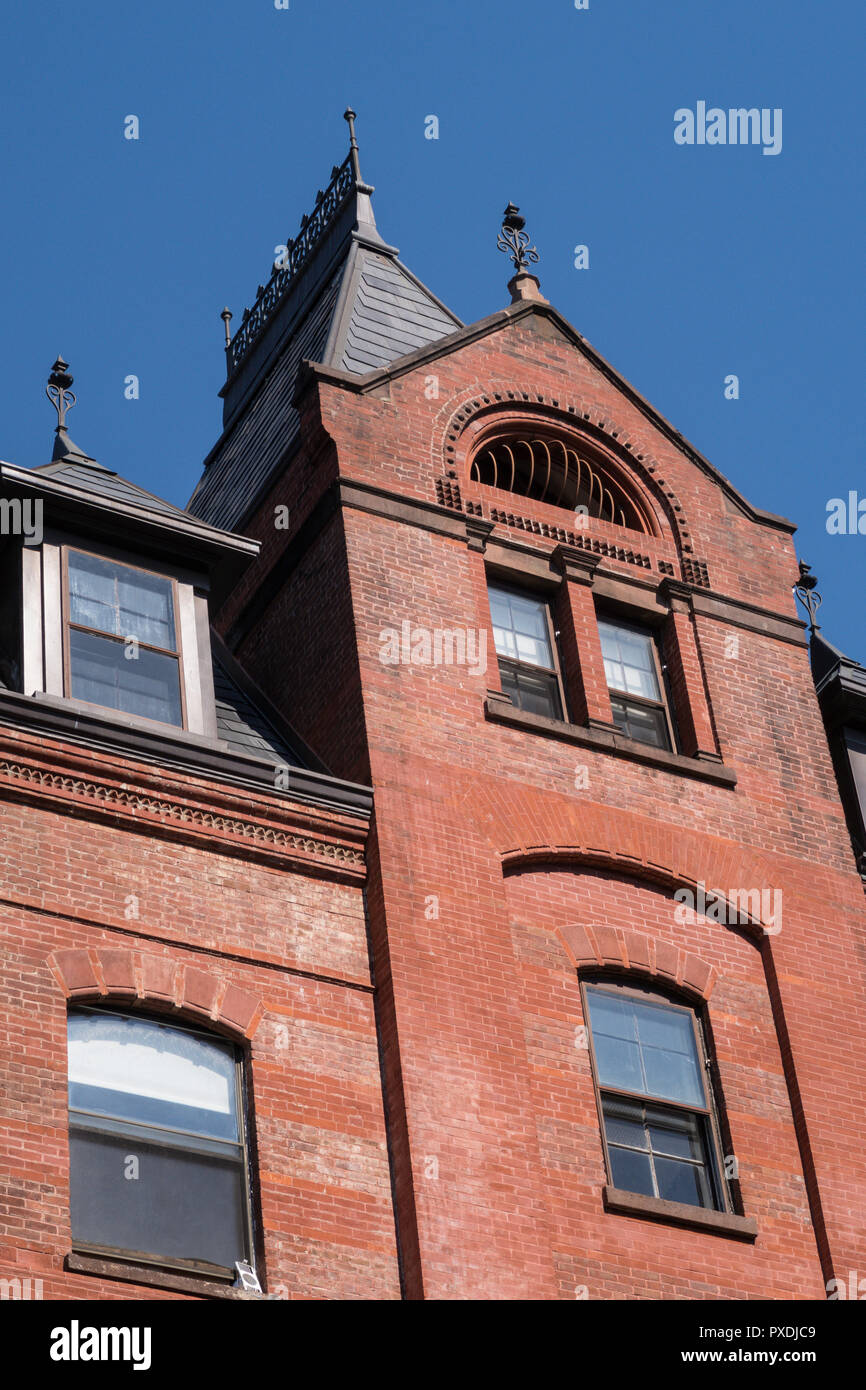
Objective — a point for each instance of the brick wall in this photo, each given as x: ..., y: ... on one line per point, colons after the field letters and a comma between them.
x: 240, y: 938
x: 503, y: 860
x: 487, y: 847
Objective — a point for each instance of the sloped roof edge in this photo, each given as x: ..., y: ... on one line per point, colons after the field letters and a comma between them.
x: 177, y: 522
x: 502, y: 318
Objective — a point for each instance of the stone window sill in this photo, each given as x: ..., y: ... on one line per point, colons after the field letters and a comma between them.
x: 720, y: 1223
x: 500, y: 710
x: 199, y: 1285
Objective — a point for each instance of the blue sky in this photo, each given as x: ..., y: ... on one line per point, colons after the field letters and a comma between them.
x: 704, y: 261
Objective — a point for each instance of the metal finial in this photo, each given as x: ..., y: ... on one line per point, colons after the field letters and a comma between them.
x: 226, y: 317
x: 514, y: 240
x: 58, y: 391
x: 350, y: 115
x: 807, y: 593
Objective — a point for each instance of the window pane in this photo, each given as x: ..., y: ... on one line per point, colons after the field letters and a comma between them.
x: 671, y: 1136
x: 147, y: 684
x: 535, y: 693
x: 169, y: 1203
x: 154, y: 1074
x: 628, y: 660
x: 672, y: 1068
x: 92, y: 599
x: 121, y: 600
x: 641, y: 723
x: 682, y: 1182
x: 146, y: 608
x: 520, y: 628
x: 631, y: 1171
x: 612, y: 1013
x: 856, y: 746
x: 624, y: 1124
x: 660, y: 1025
x: 618, y: 1063
x: 662, y: 1060
x: 676, y: 1135
x: 672, y: 1075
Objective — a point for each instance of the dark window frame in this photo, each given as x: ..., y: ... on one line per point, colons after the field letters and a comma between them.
x: 555, y: 672
x: 710, y: 1114
x: 106, y: 1124
x: 68, y: 625
x: 664, y: 706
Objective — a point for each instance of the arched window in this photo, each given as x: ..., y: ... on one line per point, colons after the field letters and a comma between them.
x: 561, y: 471
x: 658, y: 1122
x: 158, y: 1167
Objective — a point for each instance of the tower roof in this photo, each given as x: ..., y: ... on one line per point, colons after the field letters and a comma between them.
x: 338, y: 295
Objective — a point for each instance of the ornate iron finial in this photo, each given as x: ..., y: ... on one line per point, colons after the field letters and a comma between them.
x: 514, y: 240
x: 345, y: 182
x: 58, y: 391
x: 350, y: 116
x: 807, y: 593
x: 226, y: 317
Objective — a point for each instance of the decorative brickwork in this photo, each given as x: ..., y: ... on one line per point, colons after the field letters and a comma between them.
x: 407, y: 991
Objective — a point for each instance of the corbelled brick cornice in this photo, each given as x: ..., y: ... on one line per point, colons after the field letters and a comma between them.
x: 253, y: 825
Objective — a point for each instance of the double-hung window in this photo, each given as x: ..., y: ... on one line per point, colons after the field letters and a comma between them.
x: 526, y: 651
x: 634, y: 678
x: 122, y: 644
x: 158, y: 1166
x: 650, y: 1072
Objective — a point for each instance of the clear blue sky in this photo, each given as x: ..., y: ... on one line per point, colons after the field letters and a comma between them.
x: 703, y: 261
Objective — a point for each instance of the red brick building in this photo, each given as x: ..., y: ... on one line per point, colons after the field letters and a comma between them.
x: 471, y: 913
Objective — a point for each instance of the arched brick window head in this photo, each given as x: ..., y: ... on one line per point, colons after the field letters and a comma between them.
x: 560, y: 471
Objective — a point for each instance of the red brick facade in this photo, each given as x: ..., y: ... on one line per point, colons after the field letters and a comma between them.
x: 423, y: 1112
x: 192, y: 901
x: 496, y: 880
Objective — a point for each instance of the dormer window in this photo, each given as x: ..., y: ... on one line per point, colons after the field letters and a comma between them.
x: 122, y: 645
x: 105, y: 607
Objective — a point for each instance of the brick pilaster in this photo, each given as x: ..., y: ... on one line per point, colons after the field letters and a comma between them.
x: 580, y: 645
x: 685, y: 675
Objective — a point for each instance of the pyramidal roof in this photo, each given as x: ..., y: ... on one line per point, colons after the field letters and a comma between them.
x: 77, y: 470
x: 339, y: 296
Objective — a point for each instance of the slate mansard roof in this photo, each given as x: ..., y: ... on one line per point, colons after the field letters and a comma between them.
x: 343, y: 299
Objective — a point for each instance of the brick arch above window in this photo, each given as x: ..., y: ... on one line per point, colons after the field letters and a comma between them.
x: 112, y: 974
x: 700, y: 870
x: 460, y: 425
x: 639, y: 955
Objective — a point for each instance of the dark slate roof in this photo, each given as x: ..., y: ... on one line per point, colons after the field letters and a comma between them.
x: 244, y: 728
x: 102, y: 483
x: 352, y: 305
x: 269, y: 429
x: 386, y: 314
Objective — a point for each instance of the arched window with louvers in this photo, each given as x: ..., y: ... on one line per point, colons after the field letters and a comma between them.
x: 562, y: 470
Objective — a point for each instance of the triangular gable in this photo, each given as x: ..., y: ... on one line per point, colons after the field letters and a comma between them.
x: 546, y: 320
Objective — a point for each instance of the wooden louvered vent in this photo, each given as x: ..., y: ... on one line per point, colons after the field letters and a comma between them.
x: 551, y: 469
